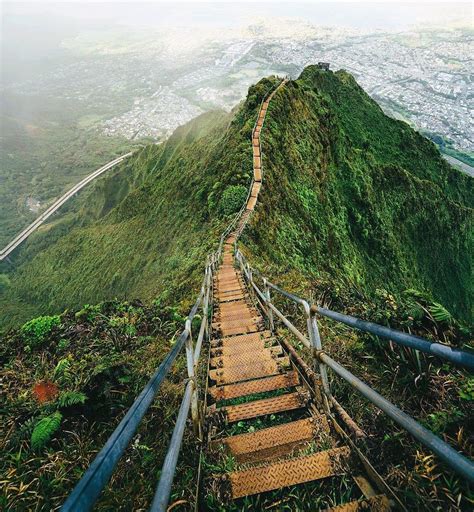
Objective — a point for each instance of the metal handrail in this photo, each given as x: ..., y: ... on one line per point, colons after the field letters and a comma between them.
x: 452, y: 354
x: 88, y: 489
x: 458, y: 462
x: 163, y: 490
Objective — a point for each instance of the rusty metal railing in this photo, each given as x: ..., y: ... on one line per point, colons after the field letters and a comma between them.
x: 456, y: 461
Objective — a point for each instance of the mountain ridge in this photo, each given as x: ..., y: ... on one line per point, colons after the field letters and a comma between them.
x: 343, y: 155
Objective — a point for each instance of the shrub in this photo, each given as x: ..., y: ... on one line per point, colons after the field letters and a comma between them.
x: 232, y: 199
x: 36, y: 330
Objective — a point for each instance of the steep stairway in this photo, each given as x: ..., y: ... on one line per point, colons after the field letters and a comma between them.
x: 262, y: 416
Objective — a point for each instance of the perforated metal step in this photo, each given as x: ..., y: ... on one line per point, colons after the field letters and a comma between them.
x: 268, y: 443
x: 241, y: 339
x: 229, y: 328
x: 254, y: 371
x: 289, y: 472
x: 251, y: 203
x: 243, y: 359
x: 282, y: 403
x: 232, y: 296
x: 246, y: 349
x: 256, y: 189
x: 379, y: 503
x: 226, y: 283
x: 239, y: 307
x: 229, y: 391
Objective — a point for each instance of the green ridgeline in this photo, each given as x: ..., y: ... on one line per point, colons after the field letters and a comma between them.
x: 355, y: 202
x: 355, y: 208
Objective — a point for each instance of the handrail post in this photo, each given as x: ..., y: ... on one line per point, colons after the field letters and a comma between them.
x: 315, y: 340
x: 192, y: 378
x: 266, y: 292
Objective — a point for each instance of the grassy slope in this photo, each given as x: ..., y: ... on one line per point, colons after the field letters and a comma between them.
x: 320, y: 229
x: 359, y: 200
x: 155, y: 240
x: 355, y: 209
x: 151, y: 222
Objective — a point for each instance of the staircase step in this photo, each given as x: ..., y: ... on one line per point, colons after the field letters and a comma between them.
x: 378, y: 503
x: 255, y: 189
x: 248, y: 348
x: 237, y: 307
x: 238, y: 327
x: 289, y: 472
x: 282, y: 403
x: 241, y: 339
x: 230, y: 297
x: 250, y: 387
x: 227, y: 283
x: 238, y: 314
x: 247, y: 372
x: 236, y: 322
x: 251, y: 203
x: 268, y: 443
x: 243, y: 359
x: 226, y: 308
x: 224, y: 291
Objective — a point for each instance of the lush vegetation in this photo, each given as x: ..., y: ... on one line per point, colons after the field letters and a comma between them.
x: 63, y: 398
x: 357, y: 211
x: 359, y: 200
x: 46, y: 148
x: 361, y: 213
x: 143, y: 231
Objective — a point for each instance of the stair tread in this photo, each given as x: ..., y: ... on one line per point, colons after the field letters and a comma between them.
x: 269, y: 442
x: 237, y: 295
x: 228, y: 361
x: 377, y: 503
x: 277, y: 404
x: 250, y: 387
x: 289, y: 472
x: 246, y: 349
x: 240, y: 328
x: 247, y: 372
x: 241, y: 339
x: 232, y: 316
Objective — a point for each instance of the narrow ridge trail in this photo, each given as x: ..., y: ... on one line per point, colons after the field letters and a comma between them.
x: 253, y: 375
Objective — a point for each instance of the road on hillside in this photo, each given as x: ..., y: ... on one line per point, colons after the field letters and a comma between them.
x: 460, y: 165
x: 7, y: 250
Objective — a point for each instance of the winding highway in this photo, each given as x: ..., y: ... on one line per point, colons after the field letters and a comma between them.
x: 7, y: 250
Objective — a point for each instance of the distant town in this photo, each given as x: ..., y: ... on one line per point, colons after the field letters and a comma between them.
x: 422, y: 76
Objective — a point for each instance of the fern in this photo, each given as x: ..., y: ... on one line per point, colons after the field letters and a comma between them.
x: 69, y: 398
x: 440, y: 313
x: 62, y: 371
x: 44, y: 429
